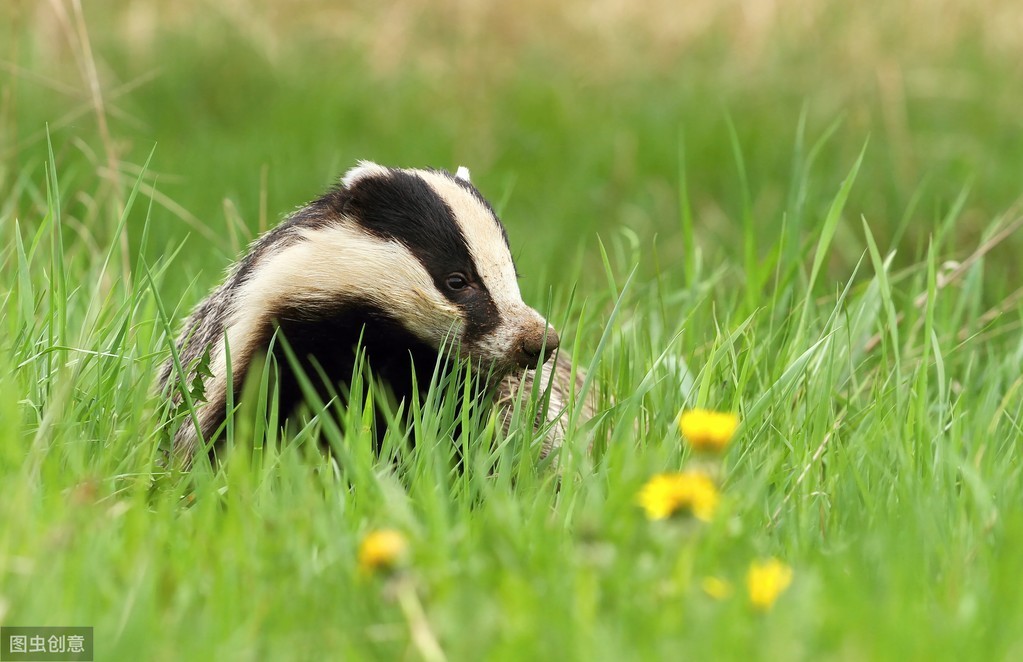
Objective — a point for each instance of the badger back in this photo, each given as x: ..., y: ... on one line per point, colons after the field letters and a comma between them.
x: 405, y: 261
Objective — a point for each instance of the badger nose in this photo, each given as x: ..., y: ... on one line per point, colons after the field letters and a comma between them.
x: 534, y: 349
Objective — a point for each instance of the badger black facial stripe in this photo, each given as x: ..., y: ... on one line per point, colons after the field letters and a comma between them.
x: 402, y: 206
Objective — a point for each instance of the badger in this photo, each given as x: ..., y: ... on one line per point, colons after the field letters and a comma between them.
x: 406, y: 264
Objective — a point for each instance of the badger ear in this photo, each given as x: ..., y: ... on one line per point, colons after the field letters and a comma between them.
x: 462, y: 173
x: 362, y: 170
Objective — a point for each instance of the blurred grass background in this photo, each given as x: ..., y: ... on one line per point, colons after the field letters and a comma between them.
x: 572, y: 113
x: 887, y: 476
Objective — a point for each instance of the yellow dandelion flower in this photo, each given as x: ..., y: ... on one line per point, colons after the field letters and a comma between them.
x: 382, y: 550
x: 708, y: 431
x: 657, y: 497
x: 767, y: 580
x: 717, y: 588
x: 703, y: 496
x: 666, y: 494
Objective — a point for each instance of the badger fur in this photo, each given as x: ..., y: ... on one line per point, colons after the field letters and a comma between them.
x: 400, y: 262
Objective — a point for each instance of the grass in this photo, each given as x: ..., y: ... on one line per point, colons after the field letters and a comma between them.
x: 833, y: 259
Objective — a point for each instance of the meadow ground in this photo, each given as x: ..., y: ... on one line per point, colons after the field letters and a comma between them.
x: 796, y: 211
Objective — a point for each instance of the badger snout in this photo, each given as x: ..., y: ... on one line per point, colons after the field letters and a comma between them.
x: 535, y: 346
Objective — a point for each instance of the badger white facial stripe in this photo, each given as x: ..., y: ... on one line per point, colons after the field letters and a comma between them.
x: 338, y: 263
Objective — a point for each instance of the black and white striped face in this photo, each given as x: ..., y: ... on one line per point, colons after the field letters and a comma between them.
x: 452, y: 260
x: 426, y: 250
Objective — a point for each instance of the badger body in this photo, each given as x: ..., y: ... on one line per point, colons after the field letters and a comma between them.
x: 406, y: 264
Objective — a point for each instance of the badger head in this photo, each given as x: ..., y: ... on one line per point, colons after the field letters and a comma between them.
x: 445, y: 269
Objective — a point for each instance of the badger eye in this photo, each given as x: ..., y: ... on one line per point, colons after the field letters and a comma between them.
x: 457, y: 281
